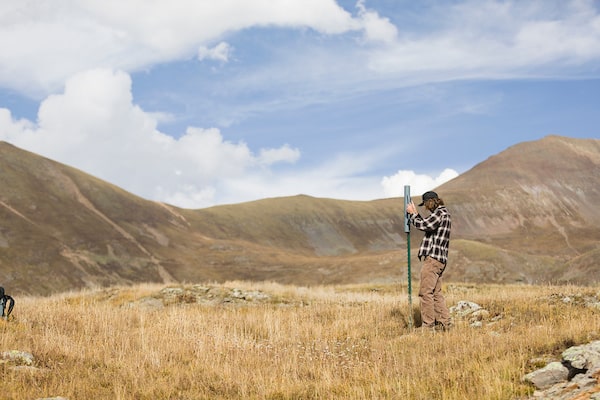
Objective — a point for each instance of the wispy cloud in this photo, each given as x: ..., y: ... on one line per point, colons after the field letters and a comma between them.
x: 221, y: 52
x: 491, y: 39
x: 43, y: 44
x: 78, y: 59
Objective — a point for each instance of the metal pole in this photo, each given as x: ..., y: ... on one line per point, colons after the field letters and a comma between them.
x: 407, y: 231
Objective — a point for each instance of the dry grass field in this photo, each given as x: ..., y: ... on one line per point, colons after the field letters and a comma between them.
x: 270, y: 341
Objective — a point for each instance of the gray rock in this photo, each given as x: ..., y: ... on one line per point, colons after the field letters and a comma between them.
x: 550, y: 375
x: 172, y: 291
x: 479, y: 315
x: 583, y: 357
x: 150, y: 303
x: 473, y: 313
x: 17, y: 357
x: 53, y: 398
x: 463, y: 308
x: 576, y: 377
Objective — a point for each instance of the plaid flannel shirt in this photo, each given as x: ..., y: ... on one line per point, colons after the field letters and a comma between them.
x: 437, y: 234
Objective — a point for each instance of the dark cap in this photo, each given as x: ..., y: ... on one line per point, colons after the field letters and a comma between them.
x: 428, y: 196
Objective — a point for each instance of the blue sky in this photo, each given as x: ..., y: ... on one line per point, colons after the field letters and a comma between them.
x: 197, y: 103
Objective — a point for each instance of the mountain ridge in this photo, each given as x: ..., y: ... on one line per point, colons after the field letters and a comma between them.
x: 524, y: 215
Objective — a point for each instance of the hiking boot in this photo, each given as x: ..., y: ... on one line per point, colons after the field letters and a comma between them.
x: 439, y: 327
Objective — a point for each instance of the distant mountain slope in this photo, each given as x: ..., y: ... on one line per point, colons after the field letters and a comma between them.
x: 61, y: 228
x: 528, y: 214
x: 310, y: 226
x: 541, y: 194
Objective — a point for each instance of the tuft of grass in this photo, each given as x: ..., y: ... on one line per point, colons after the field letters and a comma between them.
x: 322, y: 342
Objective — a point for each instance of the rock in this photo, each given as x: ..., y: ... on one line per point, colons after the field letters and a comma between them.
x: 575, y: 377
x: 472, y: 312
x: 53, y: 398
x: 463, y: 308
x: 585, y: 357
x: 198, y: 294
x: 479, y: 315
x: 150, y: 303
x: 548, y: 376
x: 576, y: 300
x: 17, y: 357
x: 172, y: 291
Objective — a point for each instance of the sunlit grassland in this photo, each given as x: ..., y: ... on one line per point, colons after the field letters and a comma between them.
x: 326, y: 342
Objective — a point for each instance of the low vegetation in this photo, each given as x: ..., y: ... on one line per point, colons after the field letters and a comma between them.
x: 245, y: 340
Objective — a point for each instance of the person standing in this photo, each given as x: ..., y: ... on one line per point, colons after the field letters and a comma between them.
x: 434, y: 254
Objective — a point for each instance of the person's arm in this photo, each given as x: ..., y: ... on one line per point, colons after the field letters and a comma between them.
x: 429, y: 224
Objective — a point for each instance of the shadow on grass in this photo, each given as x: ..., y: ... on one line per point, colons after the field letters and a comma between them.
x: 402, y: 315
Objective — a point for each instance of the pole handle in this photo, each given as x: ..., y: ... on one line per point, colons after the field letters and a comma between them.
x: 406, y: 203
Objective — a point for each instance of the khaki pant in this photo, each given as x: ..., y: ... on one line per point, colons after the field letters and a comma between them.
x: 433, y: 304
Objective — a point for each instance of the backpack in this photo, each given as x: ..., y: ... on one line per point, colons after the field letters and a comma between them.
x: 6, y: 300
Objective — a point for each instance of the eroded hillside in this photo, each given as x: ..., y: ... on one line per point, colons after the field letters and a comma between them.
x: 527, y: 214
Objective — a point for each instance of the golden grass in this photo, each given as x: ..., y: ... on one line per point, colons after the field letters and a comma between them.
x: 329, y: 342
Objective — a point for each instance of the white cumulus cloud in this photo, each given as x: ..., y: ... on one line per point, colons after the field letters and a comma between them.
x: 393, y: 186
x: 95, y: 126
x: 376, y: 28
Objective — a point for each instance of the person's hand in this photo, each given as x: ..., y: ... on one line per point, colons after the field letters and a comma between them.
x: 411, y: 209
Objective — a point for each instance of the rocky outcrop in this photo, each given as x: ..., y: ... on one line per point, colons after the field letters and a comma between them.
x: 16, y: 358
x: 474, y: 314
x: 574, y: 377
x: 200, y: 294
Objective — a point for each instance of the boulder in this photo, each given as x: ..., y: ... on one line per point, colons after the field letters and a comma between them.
x: 584, y: 357
x: 550, y: 375
x: 574, y: 377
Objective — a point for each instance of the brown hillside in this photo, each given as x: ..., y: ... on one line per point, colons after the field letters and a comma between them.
x: 524, y: 215
x: 536, y: 199
x: 544, y: 192
x: 62, y: 229
x: 309, y: 226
